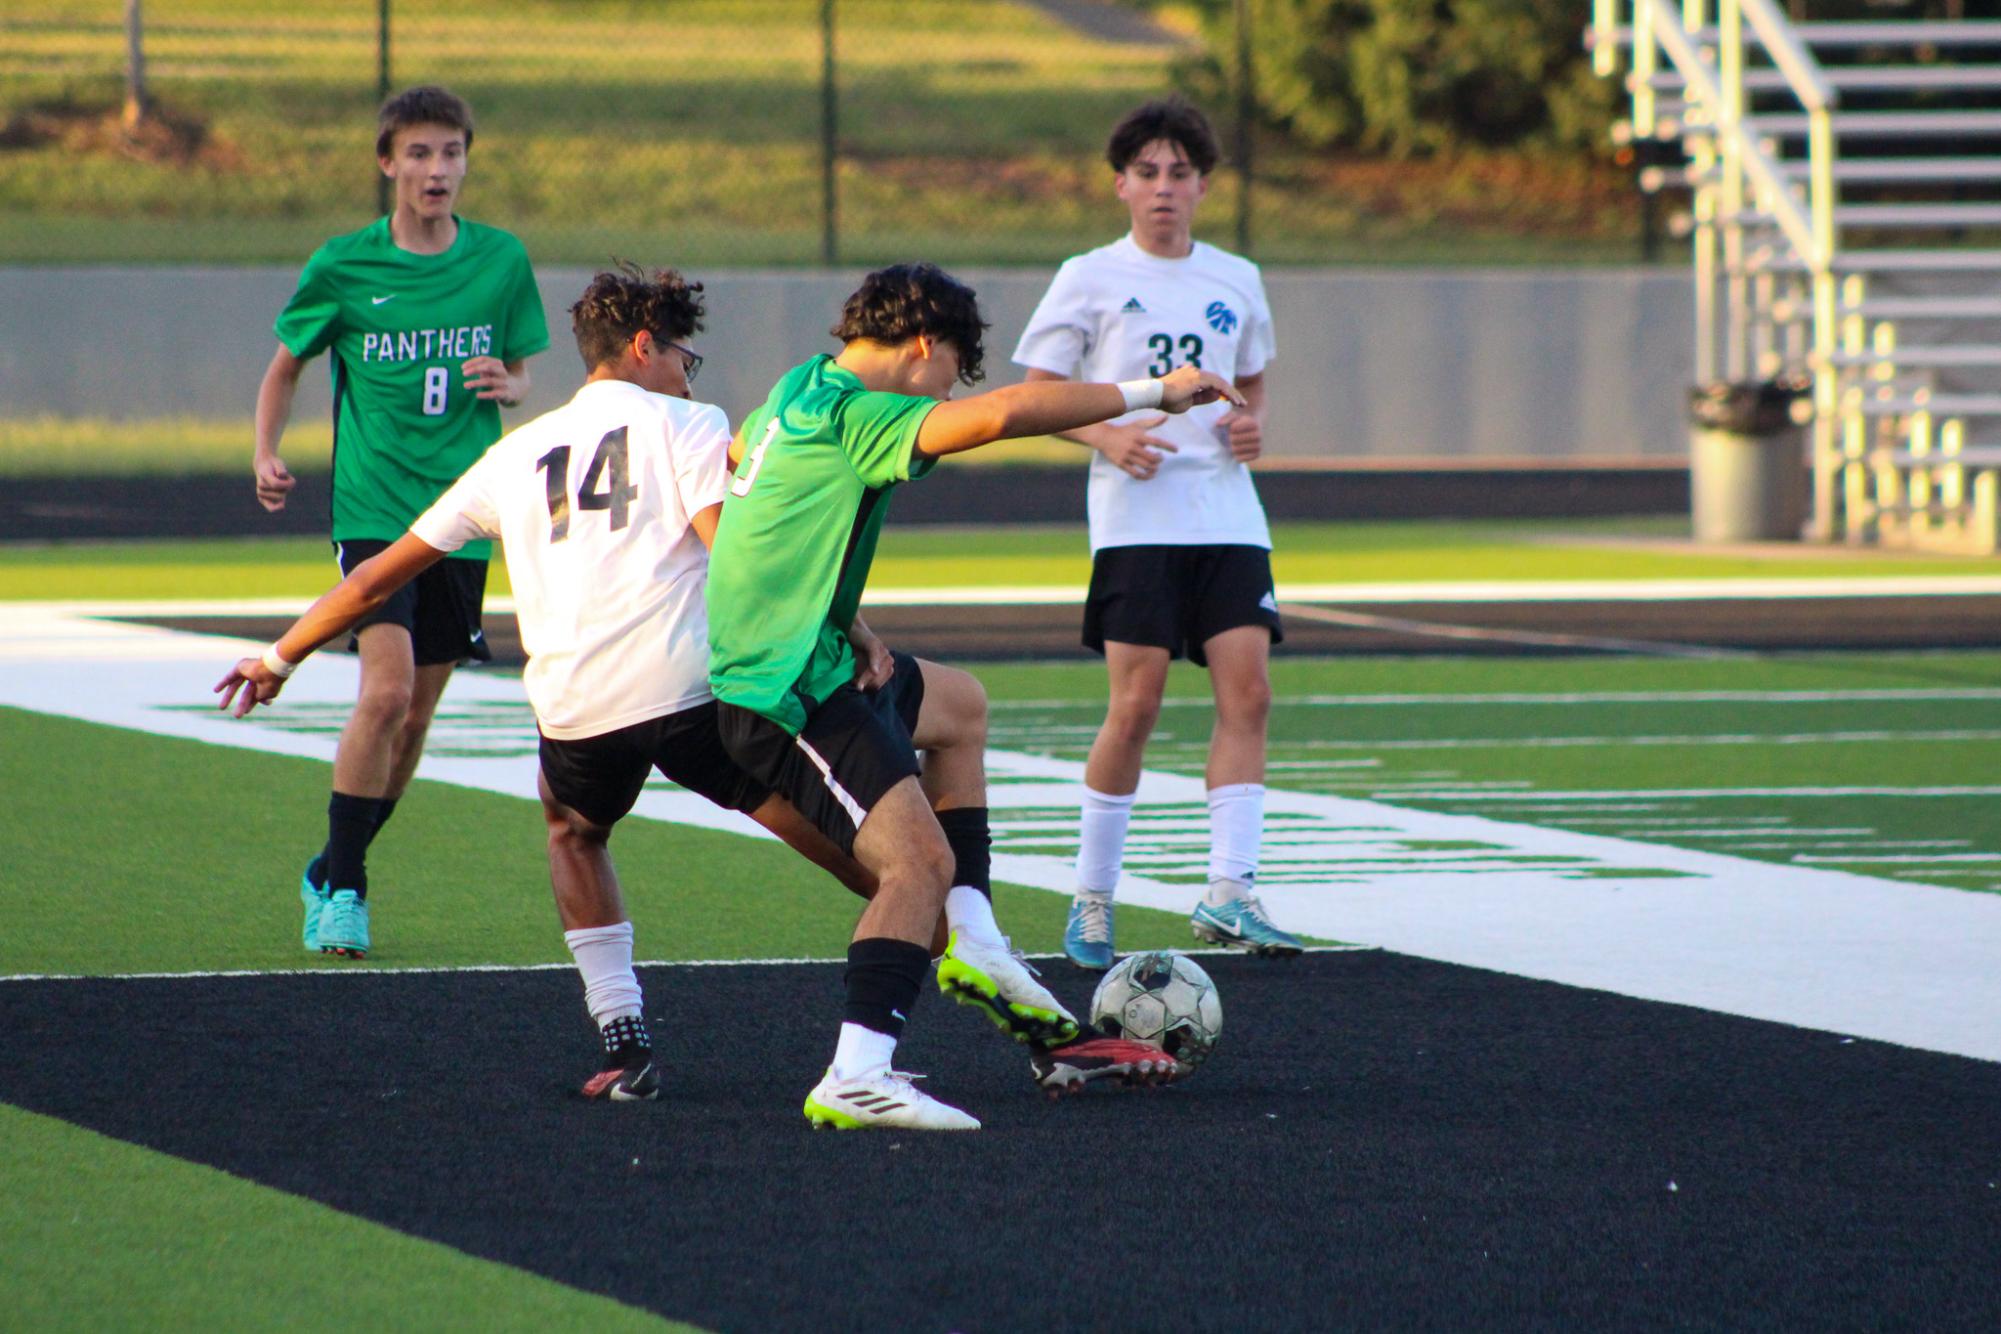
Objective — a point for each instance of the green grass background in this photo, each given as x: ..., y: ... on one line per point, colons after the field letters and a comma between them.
x: 930, y: 557
x: 968, y: 132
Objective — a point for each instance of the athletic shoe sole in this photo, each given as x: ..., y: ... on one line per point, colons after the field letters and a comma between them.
x: 1023, y: 1023
x: 1065, y: 1071
x: 1215, y: 937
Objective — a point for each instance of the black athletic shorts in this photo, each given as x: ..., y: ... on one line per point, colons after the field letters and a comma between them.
x: 854, y: 748
x: 1178, y: 598
x: 440, y: 607
x: 600, y: 777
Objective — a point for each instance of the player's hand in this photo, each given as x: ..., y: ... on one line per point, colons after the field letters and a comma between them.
x: 274, y: 479
x: 1132, y: 449
x: 1186, y: 387
x: 873, y: 665
x: 488, y: 376
x: 254, y: 680
x: 1243, y: 433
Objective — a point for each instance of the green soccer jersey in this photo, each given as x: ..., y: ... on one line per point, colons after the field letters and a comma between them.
x: 397, y: 325
x: 798, y: 535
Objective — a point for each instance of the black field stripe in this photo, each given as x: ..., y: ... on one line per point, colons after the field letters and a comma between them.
x: 1378, y: 1142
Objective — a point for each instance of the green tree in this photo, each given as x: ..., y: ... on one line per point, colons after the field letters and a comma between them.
x: 1416, y: 76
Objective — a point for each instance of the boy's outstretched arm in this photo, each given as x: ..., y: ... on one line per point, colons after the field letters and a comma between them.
x: 372, y: 584
x: 1048, y: 406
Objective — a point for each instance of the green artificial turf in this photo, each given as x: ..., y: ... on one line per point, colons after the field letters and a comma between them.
x: 1486, y: 736
x: 101, y: 1234
x: 136, y: 853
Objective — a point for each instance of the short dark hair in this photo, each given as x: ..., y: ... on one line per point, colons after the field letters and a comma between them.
x: 896, y: 304
x: 623, y: 300
x: 1174, y: 119
x: 427, y: 104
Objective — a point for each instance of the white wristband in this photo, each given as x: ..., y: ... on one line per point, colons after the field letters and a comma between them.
x: 1140, y: 393
x: 276, y: 665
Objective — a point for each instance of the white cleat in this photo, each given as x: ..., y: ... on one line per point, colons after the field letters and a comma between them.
x: 883, y: 1101
x: 998, y: 980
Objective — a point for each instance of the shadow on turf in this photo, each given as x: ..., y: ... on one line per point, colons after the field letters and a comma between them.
x: 1379, y: 1141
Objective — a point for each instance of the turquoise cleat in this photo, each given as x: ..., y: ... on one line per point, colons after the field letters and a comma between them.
x: 343, y: 926
x: 314, y: 898
x: 1242, y: 924
x: 1087, y: 937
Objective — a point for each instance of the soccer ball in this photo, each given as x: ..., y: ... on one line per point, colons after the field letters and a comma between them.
x: 1161, y: 996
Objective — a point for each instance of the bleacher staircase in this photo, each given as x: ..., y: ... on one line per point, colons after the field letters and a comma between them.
x: 1845, y: 185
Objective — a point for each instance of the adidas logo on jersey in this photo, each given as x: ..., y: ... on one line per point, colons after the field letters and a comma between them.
x: 1132, y: 307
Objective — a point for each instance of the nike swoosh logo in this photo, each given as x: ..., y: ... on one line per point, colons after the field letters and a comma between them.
x: 378, y: 300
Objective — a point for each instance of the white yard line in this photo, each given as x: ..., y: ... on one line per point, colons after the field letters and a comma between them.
x: 352, y: 969
x: 1806, y: 945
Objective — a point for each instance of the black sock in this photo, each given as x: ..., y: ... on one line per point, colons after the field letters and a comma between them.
x: 351, y: 825
x: 625, y: 1040
x: 972, y: 847
x: 316, y: 869
x: 884, y: 979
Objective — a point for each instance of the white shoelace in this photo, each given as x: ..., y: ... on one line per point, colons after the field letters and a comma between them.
x: 1095, y: 916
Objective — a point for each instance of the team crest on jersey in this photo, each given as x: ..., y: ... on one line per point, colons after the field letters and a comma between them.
x: 1221, y: 318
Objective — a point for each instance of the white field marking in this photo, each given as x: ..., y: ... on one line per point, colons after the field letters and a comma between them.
x: 1715, y: 793
x: 357, y: 969
x: 1906, y: 859
x: 1823, y: 948
x: 1565, y: 699
x: 1683, y: 739
x: 1769, y: 832
x: 1526, y: 590
x: 1483, y: 634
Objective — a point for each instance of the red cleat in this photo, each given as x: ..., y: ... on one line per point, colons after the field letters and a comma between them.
x: 1067, y: 1069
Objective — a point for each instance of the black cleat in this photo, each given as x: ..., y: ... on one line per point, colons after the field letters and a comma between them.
x: 638, y: 1081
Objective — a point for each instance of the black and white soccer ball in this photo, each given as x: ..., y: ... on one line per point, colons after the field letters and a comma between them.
x: 1164, y: 997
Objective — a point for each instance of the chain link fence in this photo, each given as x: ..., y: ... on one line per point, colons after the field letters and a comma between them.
x: 720, y: 132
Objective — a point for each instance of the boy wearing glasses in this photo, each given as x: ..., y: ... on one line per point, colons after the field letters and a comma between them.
x: 428, y: 320
x: 605, y: 508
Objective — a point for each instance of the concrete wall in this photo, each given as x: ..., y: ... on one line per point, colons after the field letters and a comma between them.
x: 1474, y: 364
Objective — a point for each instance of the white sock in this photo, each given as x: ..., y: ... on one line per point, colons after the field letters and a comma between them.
x: 970, y: 913
x: 862, y: 1052
x: 604, y: 957
x: 1101, y: 840
x: 1236, y: 828
x: 1224, y: 890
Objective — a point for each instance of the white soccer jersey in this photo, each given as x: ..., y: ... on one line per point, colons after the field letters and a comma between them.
x: 591, y: 503
x: 1118, y: 313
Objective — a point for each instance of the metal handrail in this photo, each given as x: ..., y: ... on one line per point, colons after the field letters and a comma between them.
x: 1956, y: 33
x: 1802, y: 71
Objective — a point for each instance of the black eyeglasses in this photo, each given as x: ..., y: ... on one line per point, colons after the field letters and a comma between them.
x: 691, y: 361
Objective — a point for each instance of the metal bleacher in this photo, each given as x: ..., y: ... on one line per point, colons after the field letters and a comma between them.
x: 1845, y: 214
